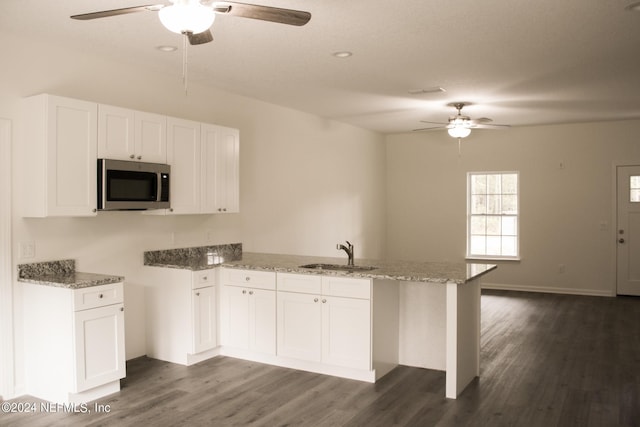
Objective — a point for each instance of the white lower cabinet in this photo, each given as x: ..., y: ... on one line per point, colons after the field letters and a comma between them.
x: 300, y: 326
x: 205, y: 336
x: 248, y: 310
x: 316, y: 322
x: 181, y: 314
x: 74, y: 342
x: 346, y: 332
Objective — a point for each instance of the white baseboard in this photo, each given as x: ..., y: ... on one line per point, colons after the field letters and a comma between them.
x: 548, y: 290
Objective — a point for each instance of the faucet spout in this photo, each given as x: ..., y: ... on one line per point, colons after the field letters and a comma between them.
x: 348, y: 249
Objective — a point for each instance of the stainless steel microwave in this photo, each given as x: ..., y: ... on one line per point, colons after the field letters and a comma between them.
x: 125, y: 185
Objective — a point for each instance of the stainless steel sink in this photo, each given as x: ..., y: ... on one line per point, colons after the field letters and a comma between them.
x: 339, y: 267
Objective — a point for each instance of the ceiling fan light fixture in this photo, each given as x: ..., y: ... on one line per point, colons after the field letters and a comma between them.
x: 187, y: 16
x: 459, y: 132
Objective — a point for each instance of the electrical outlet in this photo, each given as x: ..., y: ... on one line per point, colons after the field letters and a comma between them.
x: 27, y: 250
x: 560, y: 268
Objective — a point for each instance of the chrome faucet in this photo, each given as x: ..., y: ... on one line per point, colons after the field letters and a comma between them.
x: 348, y: 249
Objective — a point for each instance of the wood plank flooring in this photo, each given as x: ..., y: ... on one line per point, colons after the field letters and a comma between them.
x: 547, y: 360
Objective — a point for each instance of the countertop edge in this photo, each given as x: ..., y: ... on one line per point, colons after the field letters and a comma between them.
x: 77, y: 280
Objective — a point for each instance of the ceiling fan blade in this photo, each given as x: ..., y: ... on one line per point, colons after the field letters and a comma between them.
x: 427, y: 129
x: 115, y: 12
x: 433, y: 123
x: 490, y: 126
x: 200, y: 38
x: 263, y: 13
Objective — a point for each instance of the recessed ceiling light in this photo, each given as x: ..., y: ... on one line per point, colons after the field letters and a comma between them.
x: 342, y: 54
x: 635, y: 7
x: 435, y: 89
x: 167, y: 48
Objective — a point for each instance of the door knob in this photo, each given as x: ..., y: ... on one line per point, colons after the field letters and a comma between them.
x: 621, y: 240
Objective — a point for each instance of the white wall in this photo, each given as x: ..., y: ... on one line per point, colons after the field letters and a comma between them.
x: 306, y: 182
x: 563, y: 210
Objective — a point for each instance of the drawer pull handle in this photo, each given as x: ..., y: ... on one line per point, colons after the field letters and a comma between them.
x: 121, y: 308
x: 100, y: 296
x: 244, y: 291
x: 250, y: 292
x: 197, y: 294
x: 247, y: 278
x: 315, y: 300
x: 324, y: 300
x: 204, y: 278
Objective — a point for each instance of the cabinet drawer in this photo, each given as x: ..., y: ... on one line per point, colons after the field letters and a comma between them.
x: 303, y: 283
x: 97, y: 296
x: 204, y: 278
x: 346, y: 287
x: 249, y: 278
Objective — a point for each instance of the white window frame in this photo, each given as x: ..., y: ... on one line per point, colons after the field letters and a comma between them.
x: 485, y: 256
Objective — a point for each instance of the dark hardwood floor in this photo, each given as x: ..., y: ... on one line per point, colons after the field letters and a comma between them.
x: 547, y: 360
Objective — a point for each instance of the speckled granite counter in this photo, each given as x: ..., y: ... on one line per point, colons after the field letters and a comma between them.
x: 439, y: 272
x: 62, y: 274
x: 195, y: 258
x: 232, y: 256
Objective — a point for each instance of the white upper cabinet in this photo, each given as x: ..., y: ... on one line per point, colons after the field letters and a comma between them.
x: 57, y: 157
x: 204, y: 161
x: 62, y: 139
x: 221, y: 174
x: 125, y: 134
x: 183, y: 154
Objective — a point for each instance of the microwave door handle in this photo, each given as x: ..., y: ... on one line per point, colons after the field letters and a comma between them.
x: 159, y: 192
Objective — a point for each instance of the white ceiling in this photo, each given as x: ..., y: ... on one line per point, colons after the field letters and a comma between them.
x: 520, y: 62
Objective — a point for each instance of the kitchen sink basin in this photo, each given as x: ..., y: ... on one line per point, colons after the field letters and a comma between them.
x: 339, y: 267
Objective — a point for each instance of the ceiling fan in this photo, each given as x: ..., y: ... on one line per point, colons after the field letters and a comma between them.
x: 460, y: 126
x: 193, y: 18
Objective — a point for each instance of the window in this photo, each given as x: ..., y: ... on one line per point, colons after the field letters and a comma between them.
x: 492, y: 215
x: 634, y: 189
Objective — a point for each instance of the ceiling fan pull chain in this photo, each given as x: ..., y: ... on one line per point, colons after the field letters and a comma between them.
x: 185, y: 60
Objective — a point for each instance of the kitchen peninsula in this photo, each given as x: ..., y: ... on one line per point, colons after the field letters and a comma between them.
x: 356, y: 323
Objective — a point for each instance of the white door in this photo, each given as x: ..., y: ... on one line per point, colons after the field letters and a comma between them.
x: 99, y: 336
x: 628, y: 253
x: 151, y: 137
x: 204, y: 319
x: 234, y: 328
x: 299, y: 326
x: 346, y: 332
x: 183, y: 154
x: 72, y: 166
x: 262, y: 321
x: 116, y: 137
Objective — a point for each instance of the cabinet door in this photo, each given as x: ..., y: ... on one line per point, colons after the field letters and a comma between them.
x: 183, y: 154
x: 99, y: 346
x: 150, y: 137
x: 262, y: 321
x: 299, y: 326
x: 227, y: 173
x: 220, y: 169
x: 116, y: 135
x: 204, y: 319
x: 125, y: 134
x: 234, y: 319
x: 346, y: 332
x: 72, y: 154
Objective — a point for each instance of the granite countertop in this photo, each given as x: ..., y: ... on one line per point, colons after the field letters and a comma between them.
x: 410, y: 271
x: 206, y: 257
x: 62, y: 274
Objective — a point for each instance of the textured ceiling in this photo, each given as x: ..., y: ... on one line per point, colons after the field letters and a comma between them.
x: 518, y: 62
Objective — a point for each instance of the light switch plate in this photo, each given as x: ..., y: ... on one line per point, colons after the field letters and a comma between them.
x: 27, y: 250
